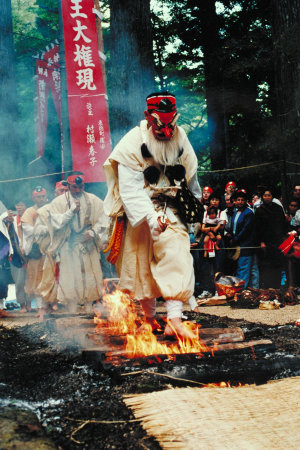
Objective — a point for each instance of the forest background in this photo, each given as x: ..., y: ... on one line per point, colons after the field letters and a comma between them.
x: 233, y: 66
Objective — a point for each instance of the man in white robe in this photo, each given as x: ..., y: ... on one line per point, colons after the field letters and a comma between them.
x: 155, y: 259
x: 77, y: 225
x: 32, y: 250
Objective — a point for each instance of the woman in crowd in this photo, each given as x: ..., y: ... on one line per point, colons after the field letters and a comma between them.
x: 292, y: 208
x: 209, y: 266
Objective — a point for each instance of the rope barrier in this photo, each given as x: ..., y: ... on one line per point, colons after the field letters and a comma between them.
x: 199, y: 171
x: 226, y: 248
x: 248, y: 167
x: 293, y: 163
x: 243, y: 168
x: 36, y: 176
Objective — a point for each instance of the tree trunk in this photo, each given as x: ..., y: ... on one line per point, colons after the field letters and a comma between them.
x: 9, y: 148
x: 211, y: 47
x: 131, y: 68
x: 286, y: 38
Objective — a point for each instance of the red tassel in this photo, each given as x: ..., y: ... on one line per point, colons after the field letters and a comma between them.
x: 57, y: 272
x: 210, y: 246
x: 287, y: 244
x: 296, y: 250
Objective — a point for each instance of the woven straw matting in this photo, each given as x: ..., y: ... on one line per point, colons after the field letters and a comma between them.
x: 251, y: 417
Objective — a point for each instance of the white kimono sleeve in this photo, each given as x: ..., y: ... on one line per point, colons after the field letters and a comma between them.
x: 136, y: 202
x: 100, y: 229
x: 40, y: 230
x: 194, y: 186
x: 58, y: 221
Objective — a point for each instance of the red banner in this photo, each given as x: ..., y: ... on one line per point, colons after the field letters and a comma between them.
x: 48, y: 79
x: 88, y: 117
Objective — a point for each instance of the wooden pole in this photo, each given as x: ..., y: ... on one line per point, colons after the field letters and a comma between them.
x: 100, y: 40
x: 66, y: 154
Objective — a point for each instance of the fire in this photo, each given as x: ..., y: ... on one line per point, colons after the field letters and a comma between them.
x: 224, y: 384
x: 121, y: 317
x: 121, y: 313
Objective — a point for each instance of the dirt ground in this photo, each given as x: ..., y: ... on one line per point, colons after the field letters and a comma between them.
x: 80, y: 406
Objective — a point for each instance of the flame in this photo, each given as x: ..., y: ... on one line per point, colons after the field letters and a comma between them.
x: 123, y: 318
x: 121, y: 313
x: 145, y: 343
x: 224, y: 384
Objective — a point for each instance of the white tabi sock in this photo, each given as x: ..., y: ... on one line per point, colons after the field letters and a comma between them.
x: 39, y: 302
x: 174, y: 309
x: 192, y: 302
x: 149, y: 307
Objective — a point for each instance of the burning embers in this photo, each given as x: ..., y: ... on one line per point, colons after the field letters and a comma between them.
x: 121, y: 316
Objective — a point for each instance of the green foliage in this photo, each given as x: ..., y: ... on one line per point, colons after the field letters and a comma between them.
x: 242, y: 58
x: 35, y: 25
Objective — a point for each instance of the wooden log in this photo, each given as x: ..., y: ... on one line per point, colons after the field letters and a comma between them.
x: 207, y: 335
x: 221, y: 334
x: 212, y: 301
x: 242, y: 345
x: 117, y: 357
x: 113, y: 340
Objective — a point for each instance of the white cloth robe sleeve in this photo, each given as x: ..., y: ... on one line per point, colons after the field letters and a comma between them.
x: 194, y: 186
x: 40, y: 230
x: 100, y: 229
x: 58, y: 221
x: 136, y: 202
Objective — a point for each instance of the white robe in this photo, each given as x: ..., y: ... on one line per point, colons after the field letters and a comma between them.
x: 80, y: 274
x: 149, y: 268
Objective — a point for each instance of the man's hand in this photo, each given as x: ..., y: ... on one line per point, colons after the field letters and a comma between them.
x: 77, y: 208
x: 157, y: 224
x: 163, y: 222
x: 10, y: 216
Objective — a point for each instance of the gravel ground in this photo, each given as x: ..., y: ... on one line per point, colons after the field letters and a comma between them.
x: 282, y: 316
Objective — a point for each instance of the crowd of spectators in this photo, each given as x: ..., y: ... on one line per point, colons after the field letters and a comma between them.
x: 240, y: 235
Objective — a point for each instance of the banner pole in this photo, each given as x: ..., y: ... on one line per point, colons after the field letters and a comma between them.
x: 66, y: 154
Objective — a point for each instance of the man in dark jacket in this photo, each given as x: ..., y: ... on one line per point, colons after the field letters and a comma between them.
x: 271, y: 227
x: 242, y: 235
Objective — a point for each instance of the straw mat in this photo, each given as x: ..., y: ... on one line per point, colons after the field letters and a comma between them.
x: 250, y: 417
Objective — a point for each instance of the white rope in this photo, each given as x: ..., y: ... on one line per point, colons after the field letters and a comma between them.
x: 224, y: 248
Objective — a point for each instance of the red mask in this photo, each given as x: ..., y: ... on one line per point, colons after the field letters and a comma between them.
x: 161, y: 114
